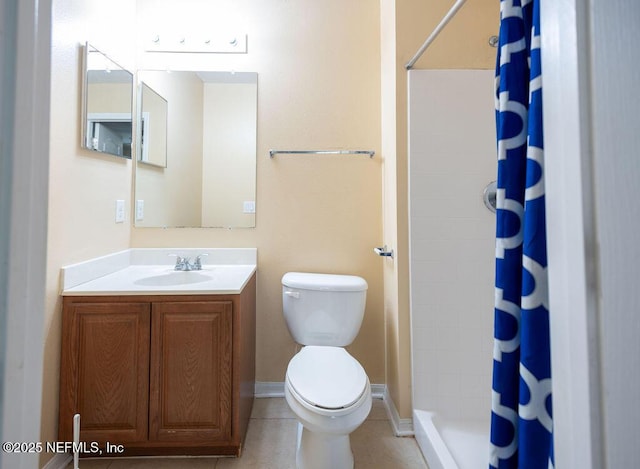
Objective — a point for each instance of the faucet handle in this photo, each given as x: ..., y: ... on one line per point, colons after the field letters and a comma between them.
x: 197, y: 263
x: 179, y: 261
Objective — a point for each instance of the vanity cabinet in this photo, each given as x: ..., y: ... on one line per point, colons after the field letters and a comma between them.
x: 159, y: 374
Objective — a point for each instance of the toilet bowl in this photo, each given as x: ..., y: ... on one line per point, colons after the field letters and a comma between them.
x: 329, y: 392
x: 325, y: 387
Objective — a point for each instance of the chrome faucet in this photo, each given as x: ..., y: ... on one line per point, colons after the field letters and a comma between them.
x: 184, y: 263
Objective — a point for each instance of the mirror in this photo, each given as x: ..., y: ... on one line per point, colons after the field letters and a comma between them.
x: 208, y: 175
x: 107, y: 105
x: 152, y: 127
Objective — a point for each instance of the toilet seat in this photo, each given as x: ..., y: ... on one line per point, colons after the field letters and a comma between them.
x: 327, y: 377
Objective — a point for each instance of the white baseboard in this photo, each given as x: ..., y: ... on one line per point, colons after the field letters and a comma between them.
x: 378, y: 390
x: 269, y: 389
x: 401, y: 427
x: 276, y: 389
x: 59, y: 461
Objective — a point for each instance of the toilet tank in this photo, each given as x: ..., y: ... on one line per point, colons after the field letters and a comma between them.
x: 323, y: 309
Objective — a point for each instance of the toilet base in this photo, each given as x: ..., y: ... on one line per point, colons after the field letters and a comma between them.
x: 323, y: 450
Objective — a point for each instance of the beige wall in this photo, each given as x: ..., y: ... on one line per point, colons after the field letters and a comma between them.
x: 397, y: 376
x: 463, y: 44
x: 83, y: 185
x: 318, y: 69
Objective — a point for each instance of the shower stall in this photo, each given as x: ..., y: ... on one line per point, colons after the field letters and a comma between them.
x: 452, y: 158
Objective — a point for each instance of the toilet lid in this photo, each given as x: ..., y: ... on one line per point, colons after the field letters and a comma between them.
x: 327, y: 377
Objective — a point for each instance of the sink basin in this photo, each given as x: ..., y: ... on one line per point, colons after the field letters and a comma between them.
x: 175, y: 278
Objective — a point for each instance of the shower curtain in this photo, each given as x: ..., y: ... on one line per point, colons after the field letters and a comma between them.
x: 521, y: 425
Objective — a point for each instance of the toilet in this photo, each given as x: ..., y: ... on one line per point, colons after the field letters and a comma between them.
x: 325, y: 387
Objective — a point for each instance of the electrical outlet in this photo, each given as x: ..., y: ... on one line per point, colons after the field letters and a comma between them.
x: 139, y: 210
x: 249, y: 206
x: 119, y: 211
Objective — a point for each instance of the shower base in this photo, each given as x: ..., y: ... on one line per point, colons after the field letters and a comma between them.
x: 451, y: 444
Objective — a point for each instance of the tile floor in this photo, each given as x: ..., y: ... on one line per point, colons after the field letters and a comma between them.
x: 271, y: 440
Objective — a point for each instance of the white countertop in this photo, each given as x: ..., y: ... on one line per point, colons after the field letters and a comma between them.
x: 151, y: 272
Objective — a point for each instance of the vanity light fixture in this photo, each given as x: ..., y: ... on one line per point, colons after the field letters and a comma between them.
x: 218, y: 44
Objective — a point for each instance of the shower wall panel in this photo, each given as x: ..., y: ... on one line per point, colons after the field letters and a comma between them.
x: 452, y: 157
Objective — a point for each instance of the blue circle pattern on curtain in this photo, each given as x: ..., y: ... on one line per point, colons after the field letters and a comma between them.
x: 521, y: 423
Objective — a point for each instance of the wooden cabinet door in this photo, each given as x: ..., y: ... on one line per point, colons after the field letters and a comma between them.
x: 191, y: 360
x: 106, y: 371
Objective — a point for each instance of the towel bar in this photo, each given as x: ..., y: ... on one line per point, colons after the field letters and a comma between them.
x: 272, y: 153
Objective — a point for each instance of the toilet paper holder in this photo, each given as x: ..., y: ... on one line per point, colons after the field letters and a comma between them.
x: 383, y: 251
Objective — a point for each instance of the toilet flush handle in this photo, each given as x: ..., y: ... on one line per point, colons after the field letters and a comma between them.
x: 292, y: 294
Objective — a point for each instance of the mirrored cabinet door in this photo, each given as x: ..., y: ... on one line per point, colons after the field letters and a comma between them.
x: 107, y: 105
